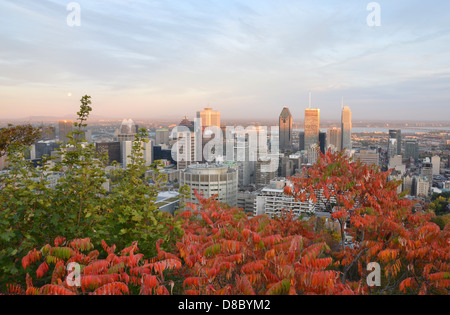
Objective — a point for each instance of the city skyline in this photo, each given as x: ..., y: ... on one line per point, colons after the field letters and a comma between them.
x: 163, y: 59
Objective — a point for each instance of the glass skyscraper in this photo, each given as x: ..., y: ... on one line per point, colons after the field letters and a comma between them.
x: 312, y: 125
x: 285, y: 130
x: 346, y: 129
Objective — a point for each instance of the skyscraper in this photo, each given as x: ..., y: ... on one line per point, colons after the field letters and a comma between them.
x: 427, y: 172
x: 285, y: 130
x: 301, y: 140
x: 65, y: 128
x: 112, y: 149
x: 127, y: 131
x: 346, y: 129
x: 312, y: 125
x: 412, y: 149
x: 334, y: 139
x: 162, y: 137
x: 436, y: 163
x: 396, y: 134
x: 209, y: 117
x: 323, y: 141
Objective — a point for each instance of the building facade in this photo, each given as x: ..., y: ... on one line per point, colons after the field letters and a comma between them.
x: 209, y: 180
x: 346, y: 129
x: 285, y: 124
x: 312, y: 127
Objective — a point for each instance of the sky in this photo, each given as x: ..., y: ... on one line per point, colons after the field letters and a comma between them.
x: 245, y: 58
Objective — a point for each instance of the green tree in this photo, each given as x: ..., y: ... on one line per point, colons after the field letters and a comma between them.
x: 77, y: 200
x: 132, y: 214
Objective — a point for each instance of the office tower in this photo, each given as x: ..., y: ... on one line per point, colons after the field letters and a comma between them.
x: 301, y: 140
x: 395, y: 161
x: 45, y: 148
x: 186, y: 141
x: 127, y: 131
x: 369, y: 157
x: 323, y: 141
x: 262, y: 177
x: 346, y: 129
x: 65, y: 128
x: 48, y: 133
x: 412, y: 149
x: 287, y: 168
x: 112, y: 149
x: 246, y: 167
x: 187, y: 123
x: 285, y: 125
x: 392, y: 148
x: 427, y: 172
x: 209, y: 180
x: 334, y: 139
x: 209, y: 117
x: 126, y: 150
x: 162, y: 154
x: 436, y: 163
x: 162, y: 137
x: 312, y: 125
x: 396, y: 134
x: 448, y: 161
x: 313, y: 154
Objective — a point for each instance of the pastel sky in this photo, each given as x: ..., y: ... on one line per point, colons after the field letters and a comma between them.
x: 246, y: 58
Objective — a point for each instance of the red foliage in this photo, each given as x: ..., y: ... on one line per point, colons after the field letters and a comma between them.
x: 225, y: 252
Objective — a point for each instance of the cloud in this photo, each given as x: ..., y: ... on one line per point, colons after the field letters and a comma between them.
x: 255, y: 56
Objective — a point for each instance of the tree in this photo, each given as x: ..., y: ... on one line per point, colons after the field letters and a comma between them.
x: 225, y: 252
x: 24, y: 135
x: 35, y: 208
x: 132, y: 214
x: 412, y: 250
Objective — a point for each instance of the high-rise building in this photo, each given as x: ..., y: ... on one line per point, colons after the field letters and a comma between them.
x: 262, y: 175
x: 369, y: 157
x: 346, y: 129
x: 48, y: 133
x: 209, y: 117
x: 65, y: 128
x: 127, y: 131
x: 162, y: 137
x: 112, y: 149
x: 412, y: 149
x: 436, y: 162
x: 313, y: 154
x: 126, y: 150
x: 186, y: 144
x: 285, y: 130
x: 323, y: 141
x: 301, y: 140
x: 395, y: 134
x: 392, y: 147
x: 312, y: 127
x: 210, y: 180
x: 334, y: 139
x: 246, y: 167
x: 427, y: 172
